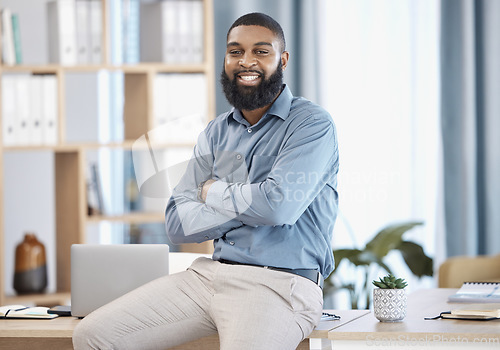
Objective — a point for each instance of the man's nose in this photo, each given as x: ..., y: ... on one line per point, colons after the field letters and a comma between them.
x: 248, y: 60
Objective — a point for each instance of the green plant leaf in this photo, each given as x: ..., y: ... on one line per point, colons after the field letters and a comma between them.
x: 372, y: 255
x: 350, y: 254
x: 414, y: 256
x: 389, y: 238
x: 383, y: 265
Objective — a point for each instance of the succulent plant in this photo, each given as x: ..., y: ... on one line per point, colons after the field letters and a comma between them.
x: 390, y: 282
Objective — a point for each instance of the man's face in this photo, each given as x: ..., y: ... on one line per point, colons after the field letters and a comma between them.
x: 253, y: 67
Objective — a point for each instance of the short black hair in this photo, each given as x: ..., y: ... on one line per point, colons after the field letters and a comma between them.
x: 262, y: 20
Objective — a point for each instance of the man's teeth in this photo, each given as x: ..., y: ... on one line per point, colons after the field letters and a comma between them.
x: 249, y: 77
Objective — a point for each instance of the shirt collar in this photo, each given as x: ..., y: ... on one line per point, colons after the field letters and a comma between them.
x: 280, y: 107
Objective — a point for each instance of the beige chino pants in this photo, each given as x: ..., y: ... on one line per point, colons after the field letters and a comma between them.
x: 250, y: 307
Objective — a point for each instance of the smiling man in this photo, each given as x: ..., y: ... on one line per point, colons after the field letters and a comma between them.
x: 261, y: 185
x: 252, y: 76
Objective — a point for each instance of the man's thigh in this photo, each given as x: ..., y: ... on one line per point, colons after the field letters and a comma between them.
x: 163, y: 313
x: 264, y: 309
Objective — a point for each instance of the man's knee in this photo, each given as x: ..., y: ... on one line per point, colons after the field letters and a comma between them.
x: 85, y: 336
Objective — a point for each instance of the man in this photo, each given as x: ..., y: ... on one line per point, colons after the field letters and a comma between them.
x: 262, y: 185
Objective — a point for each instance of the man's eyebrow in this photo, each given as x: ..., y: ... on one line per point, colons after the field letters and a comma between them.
x: 260, y: 43
x: 263, y: 43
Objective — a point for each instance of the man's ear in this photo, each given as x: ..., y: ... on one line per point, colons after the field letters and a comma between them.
x: 284, y: 59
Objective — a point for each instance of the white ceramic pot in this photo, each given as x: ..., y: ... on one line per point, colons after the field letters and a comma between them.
x: 389, y: 305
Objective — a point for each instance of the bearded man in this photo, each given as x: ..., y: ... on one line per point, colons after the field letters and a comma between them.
x: 261, y: 185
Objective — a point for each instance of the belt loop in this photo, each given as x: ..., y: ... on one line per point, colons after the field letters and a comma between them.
x: 318, y: 280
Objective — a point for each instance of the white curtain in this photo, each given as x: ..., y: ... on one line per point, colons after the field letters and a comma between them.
x: 381, y: 84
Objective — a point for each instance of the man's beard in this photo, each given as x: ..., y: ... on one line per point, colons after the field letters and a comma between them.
x: 250, y: 98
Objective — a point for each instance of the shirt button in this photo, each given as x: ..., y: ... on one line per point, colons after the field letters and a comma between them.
x: 231, y: 243
x: 206, y: 237
x: 238, y: 156
x: 249, y: 131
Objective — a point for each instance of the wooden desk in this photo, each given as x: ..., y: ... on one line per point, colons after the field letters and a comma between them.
x: 37, y: 334
x: 416, y: 333
x: 56, y: 334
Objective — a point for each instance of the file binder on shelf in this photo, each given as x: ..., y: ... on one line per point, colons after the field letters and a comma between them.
x: 62, y: 32
x: 82, y: 22
x: 95, y: 16
x: 172, y: 31
x: 9, y: 124
x: 49, y: 108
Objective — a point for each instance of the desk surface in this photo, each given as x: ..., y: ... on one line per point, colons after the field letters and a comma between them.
x: 62, y: 327
x: 422, y: 303
x: 353, y: 325
x: 346, y: 316
x: 57, y: 333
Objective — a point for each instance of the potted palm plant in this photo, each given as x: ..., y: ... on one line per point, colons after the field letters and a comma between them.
x: 365, y: 263
x: 389, y: 299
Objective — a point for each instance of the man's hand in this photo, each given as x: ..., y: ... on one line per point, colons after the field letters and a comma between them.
x: 204, y: 191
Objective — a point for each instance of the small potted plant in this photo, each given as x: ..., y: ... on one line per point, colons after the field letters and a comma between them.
x: 389, y: 299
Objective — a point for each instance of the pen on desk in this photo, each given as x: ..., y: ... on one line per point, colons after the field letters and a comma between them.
x: 330, y: 316
x: 20, y: 309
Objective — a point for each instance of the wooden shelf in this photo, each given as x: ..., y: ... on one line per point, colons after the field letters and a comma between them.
x: 132, y: 218
x: 72, y: 147
x: 52, y: 148
x: 127, y: 68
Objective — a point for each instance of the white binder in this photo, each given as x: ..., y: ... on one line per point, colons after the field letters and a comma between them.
x: 50, y: 114
x: 82, y: 17
x: 95, y: 32
x: 23, y: 103
x: 9, y: 110
x: 35, y: 117
x: 62, y: 31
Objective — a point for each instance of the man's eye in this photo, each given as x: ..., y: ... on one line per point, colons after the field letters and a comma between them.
x: 235, y: 52
x: 262, y: 52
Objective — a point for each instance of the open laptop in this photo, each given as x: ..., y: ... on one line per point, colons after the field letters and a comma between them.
x: 101, y: 273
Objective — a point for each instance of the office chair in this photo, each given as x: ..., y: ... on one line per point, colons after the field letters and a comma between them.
x: 454, y: 271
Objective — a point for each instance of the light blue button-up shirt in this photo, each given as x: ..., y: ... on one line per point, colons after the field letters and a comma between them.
x: 274, y: 202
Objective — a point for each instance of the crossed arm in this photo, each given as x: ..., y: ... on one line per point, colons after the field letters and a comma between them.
x: 300, y: 170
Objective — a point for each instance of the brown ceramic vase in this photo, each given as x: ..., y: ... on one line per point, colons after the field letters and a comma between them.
x: 30, y: 274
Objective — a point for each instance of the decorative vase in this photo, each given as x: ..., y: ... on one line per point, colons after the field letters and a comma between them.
x: 389, y: 305
x: 30, y: 274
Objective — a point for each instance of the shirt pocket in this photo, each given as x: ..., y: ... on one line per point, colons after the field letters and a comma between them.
x: 230, y: 167
x: 260, y: 167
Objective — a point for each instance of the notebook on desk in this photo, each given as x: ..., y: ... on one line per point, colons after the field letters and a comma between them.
x: 101, y: 273
x: 477, y: 292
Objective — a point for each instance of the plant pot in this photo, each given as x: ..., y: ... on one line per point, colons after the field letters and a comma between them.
x: 389, y: 305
